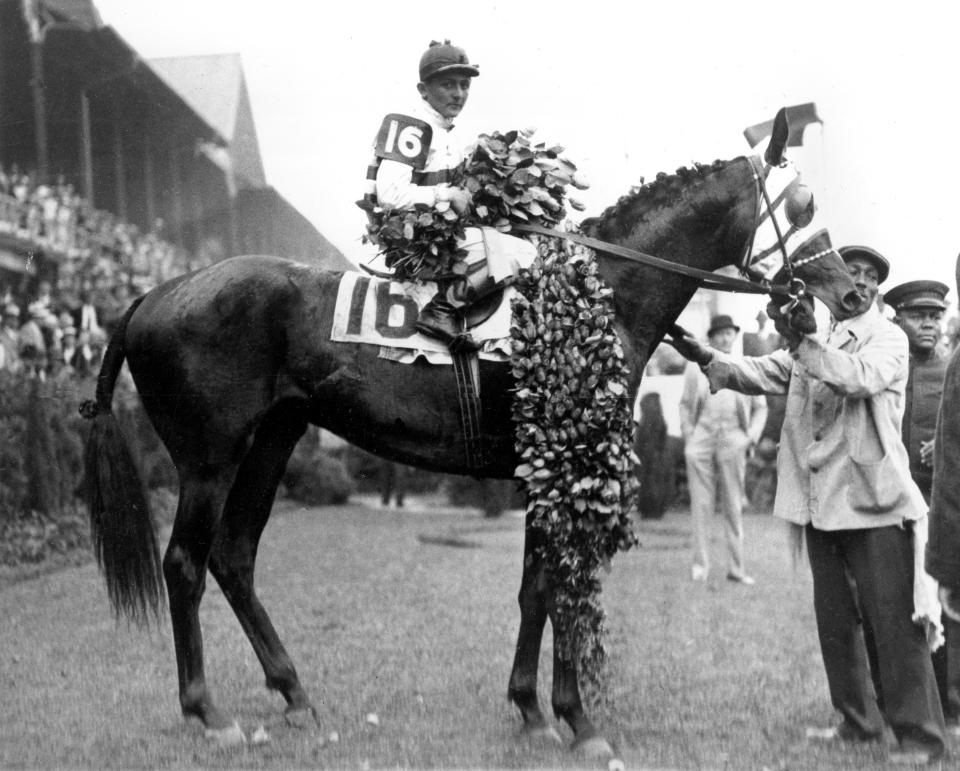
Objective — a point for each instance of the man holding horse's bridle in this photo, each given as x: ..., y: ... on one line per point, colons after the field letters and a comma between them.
x: 845, y: 484
x: 415, y: 158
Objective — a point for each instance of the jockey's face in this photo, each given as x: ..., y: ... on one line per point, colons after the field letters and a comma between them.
x: 446, y: 93
x: 865, y: 278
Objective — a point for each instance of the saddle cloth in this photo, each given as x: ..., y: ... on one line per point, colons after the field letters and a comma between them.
x: 383, y: 312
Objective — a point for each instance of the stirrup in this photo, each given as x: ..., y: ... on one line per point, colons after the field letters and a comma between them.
x: 464, y: 343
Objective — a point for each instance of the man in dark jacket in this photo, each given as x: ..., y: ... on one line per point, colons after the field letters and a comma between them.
x: 943, y: 547
x: 919, y: 307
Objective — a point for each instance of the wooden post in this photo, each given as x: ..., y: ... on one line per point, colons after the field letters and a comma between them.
x: 233, y: 225
x: 86, y: 147
x: 149, y: 185
x: 119, y: 168
x: 176, y: 189
x: 3, y: 70
x: 39, y: 109
x: 196, y: 205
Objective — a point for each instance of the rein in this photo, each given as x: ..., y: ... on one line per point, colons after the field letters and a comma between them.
x: 794, y: 288
x: 706, y: 279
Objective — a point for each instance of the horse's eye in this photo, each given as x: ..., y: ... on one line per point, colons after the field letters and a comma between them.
x: 799, y: 206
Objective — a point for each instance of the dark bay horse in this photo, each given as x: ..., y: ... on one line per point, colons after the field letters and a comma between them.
x: 234, y: 361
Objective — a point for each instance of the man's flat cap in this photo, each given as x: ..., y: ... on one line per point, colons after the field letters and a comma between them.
x: 870, y: 255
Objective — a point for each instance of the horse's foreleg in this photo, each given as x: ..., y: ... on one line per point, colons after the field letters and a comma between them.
x: 522, y: 690
x: 184, y: 568
x: 567, y: 704
x: 234, y: 555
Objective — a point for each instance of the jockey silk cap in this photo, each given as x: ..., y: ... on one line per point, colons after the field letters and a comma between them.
x: 917, y: 294
x: 870, y: 255
x: 720, y: 322
x: 445, y: 57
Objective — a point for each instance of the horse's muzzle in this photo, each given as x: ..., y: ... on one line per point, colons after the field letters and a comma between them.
x: 851, y: 304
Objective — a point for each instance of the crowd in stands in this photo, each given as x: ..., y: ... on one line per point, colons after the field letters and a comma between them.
x: 53, y: 340
x: 102, y: 264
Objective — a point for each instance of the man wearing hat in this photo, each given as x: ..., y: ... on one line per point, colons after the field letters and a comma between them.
x: 32, y: 343
x: 943, y: 547
x: 919, y: 307
x: 719, y: 430
x: 868, y: 269
x: 844, y: 484
x: 10, y: 337
x: 70, y: 352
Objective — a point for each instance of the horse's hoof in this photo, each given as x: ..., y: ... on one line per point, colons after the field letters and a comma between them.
x: 594, y: 748
x: 230, y: 736
x: 301, y: 717
x: 542, y: 734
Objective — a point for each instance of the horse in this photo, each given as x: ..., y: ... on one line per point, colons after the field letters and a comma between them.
x: 234, y: 361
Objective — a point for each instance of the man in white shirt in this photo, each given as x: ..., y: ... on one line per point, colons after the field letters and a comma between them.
x: 719, y: 429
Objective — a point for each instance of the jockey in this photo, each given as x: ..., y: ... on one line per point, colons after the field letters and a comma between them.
x: 415, y: 158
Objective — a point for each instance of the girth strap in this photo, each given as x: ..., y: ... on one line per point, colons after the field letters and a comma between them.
x: 466, y: 367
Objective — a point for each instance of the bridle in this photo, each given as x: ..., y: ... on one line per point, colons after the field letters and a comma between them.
x: 794, y: 288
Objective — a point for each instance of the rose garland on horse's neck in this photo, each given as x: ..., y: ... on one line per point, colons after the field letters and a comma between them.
x: 574, y: 427
x: 574, y: 436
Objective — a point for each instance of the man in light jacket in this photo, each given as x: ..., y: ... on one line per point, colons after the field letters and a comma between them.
x: 719, y: 430
x: 844, y: 478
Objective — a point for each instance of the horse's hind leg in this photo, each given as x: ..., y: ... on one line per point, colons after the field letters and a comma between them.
x: 185, y: 568
x: 234, y: 554
x: 522, y: 690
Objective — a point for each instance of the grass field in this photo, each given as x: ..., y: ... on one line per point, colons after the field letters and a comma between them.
x: 383, y: 615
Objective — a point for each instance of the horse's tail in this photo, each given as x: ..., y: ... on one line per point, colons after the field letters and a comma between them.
x: 124, y: 539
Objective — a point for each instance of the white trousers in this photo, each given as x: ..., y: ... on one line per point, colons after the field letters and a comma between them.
x: 716, y: 466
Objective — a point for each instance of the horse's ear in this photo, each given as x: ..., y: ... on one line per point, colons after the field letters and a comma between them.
x: 778, y: 139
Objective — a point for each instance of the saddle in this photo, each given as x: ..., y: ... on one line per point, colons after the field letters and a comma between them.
x: 481, y: 310
x: 493, y: 259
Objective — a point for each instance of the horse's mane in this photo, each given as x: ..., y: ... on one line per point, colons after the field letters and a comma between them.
x: 662, y: 191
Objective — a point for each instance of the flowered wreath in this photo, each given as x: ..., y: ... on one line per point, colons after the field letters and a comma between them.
x: 574, y: 422
x: 511, y: 180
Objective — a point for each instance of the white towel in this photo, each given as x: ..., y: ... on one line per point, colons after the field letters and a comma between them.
x: 927, y: 611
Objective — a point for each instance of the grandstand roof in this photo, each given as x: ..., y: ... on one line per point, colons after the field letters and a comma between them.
x: 79, y: 12
x: 215, y: 87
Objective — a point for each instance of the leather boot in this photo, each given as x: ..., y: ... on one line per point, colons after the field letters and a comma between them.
x: 443, y: 317
x: 440, y: 319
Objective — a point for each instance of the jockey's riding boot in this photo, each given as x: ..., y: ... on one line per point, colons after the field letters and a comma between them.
x: 475, y: 293
x: 439, y: 318
x: 443, y: 316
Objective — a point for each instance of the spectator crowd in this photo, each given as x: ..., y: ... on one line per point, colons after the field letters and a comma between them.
x: 102, y: 264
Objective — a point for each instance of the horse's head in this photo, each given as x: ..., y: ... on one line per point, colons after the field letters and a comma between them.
x: 781, y: 251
